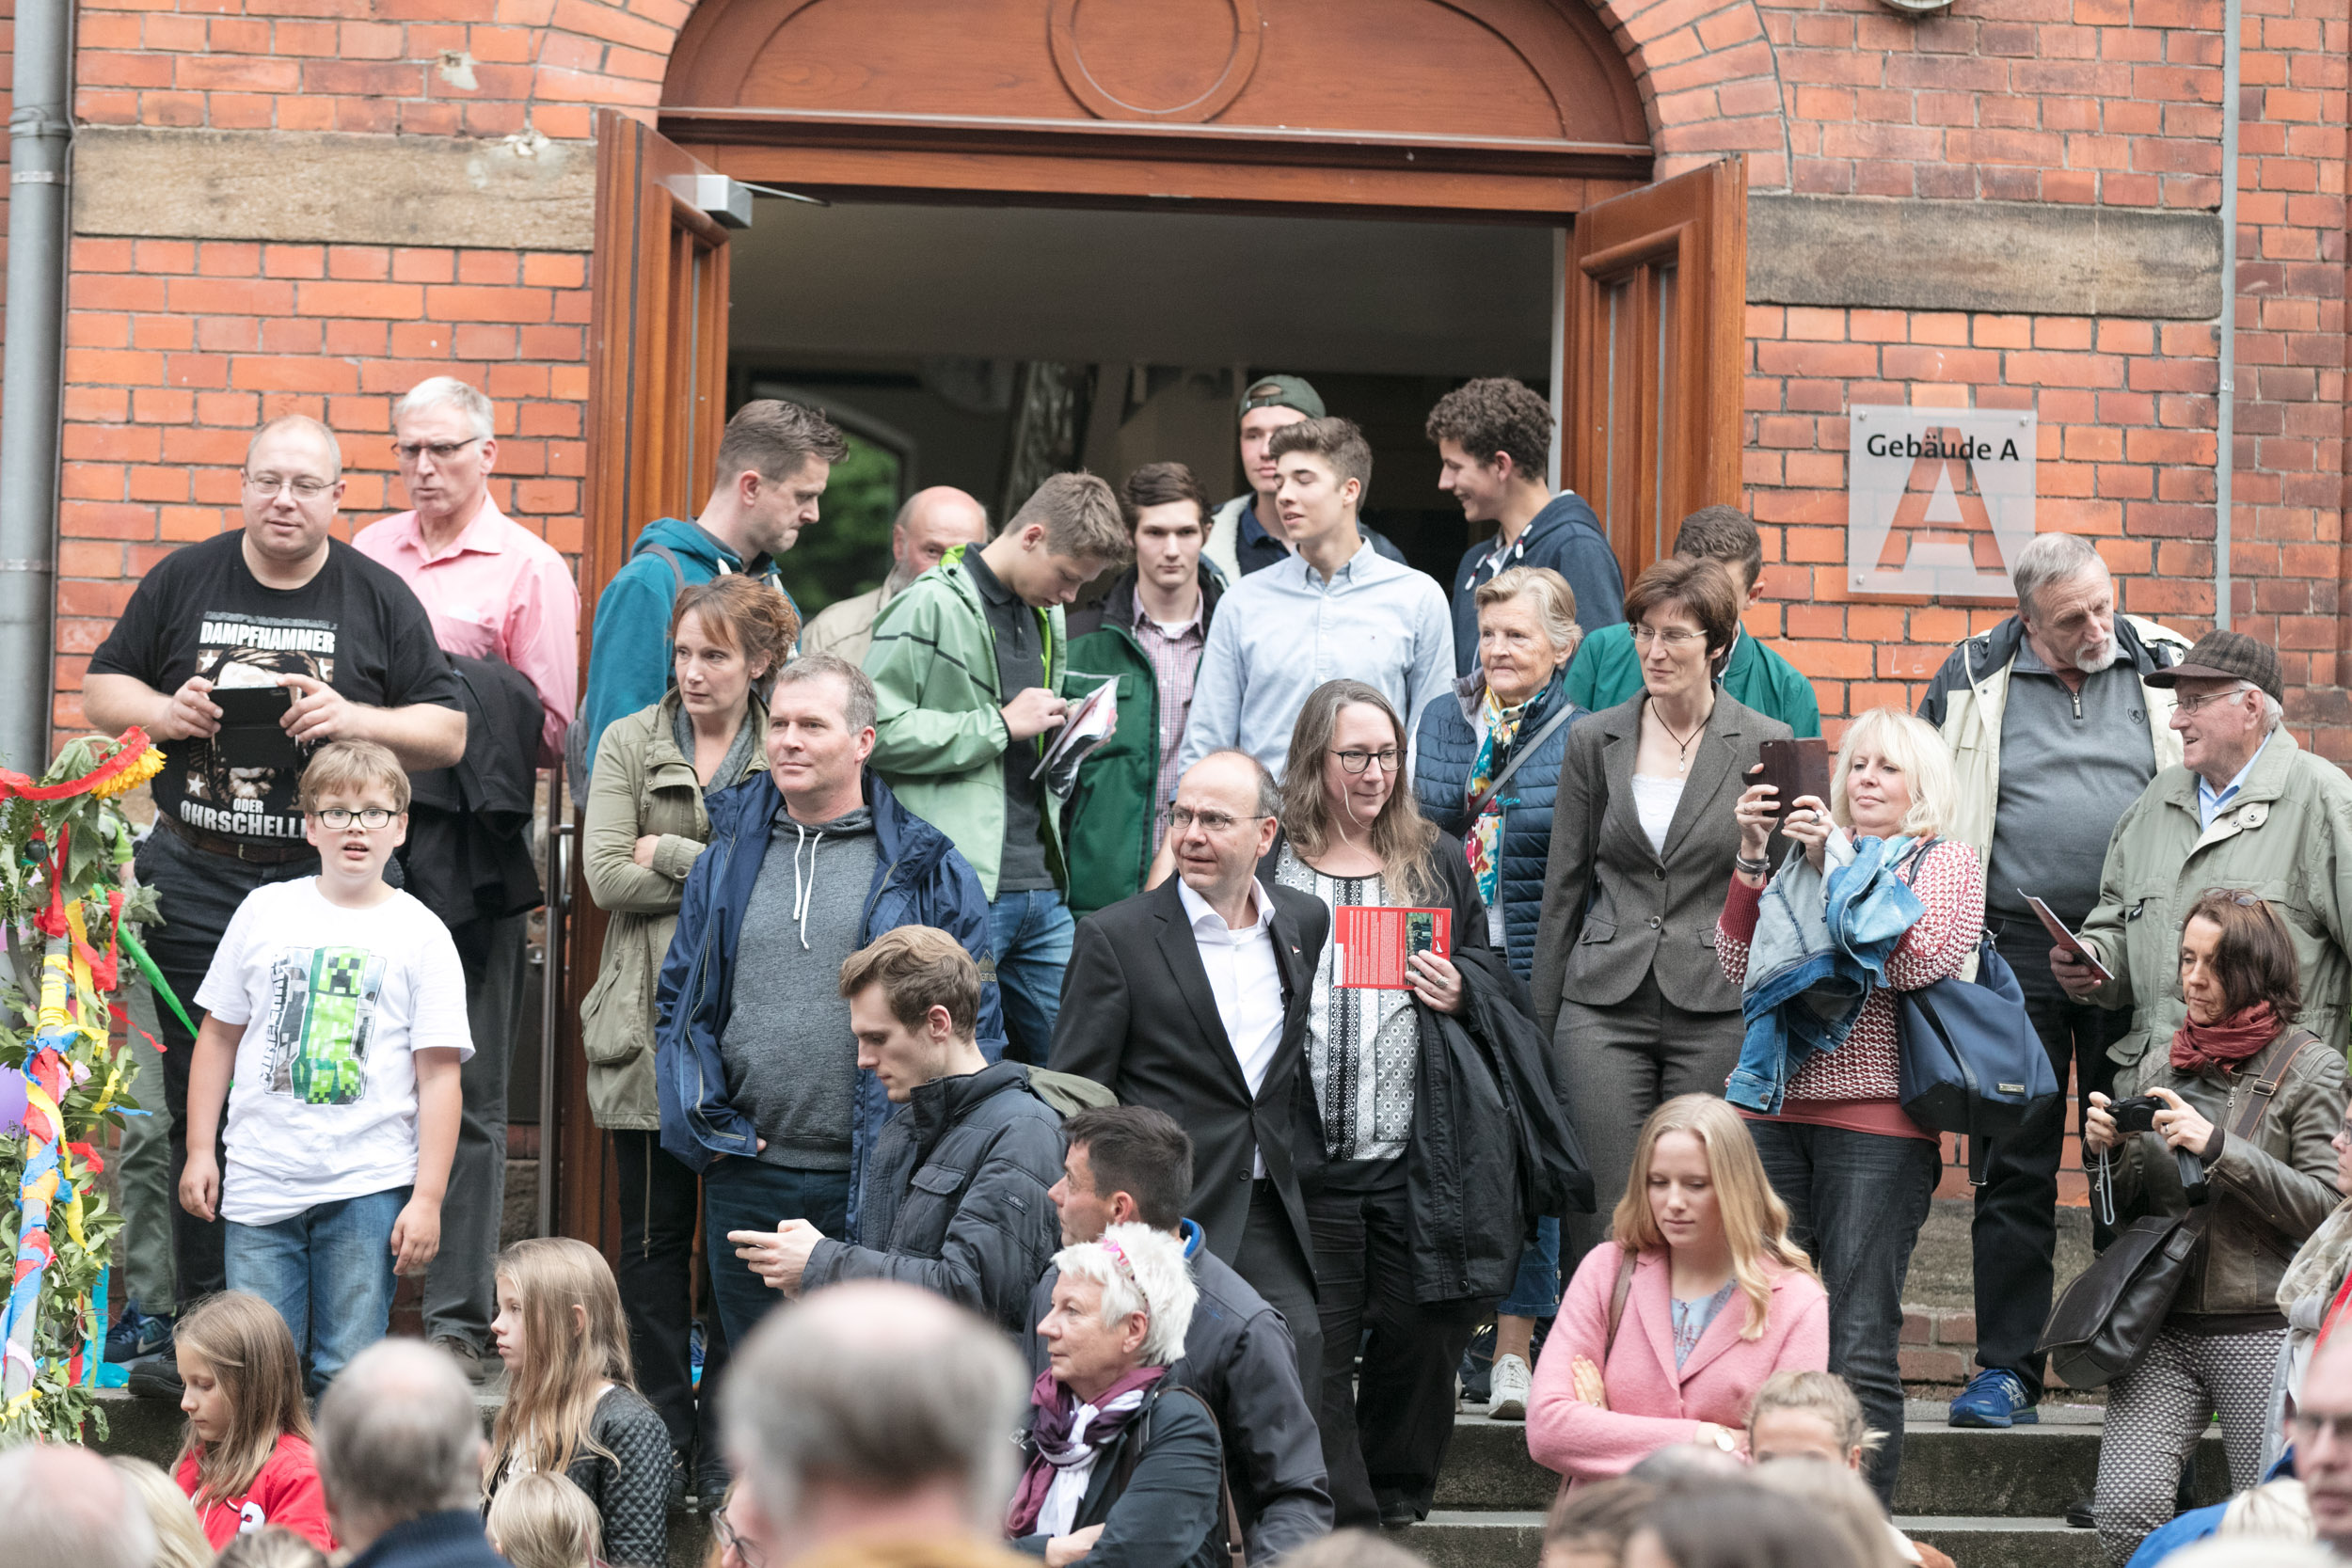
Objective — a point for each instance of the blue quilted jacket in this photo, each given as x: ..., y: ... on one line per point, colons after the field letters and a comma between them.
x: 1443, y: 757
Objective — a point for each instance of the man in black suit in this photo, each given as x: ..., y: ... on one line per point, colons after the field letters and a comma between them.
x: 1192, y: 998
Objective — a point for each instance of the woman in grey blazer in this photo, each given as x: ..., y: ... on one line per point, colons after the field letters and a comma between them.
x: 1642, y: 839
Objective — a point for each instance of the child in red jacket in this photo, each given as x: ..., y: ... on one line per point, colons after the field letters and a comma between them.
x: 247, y: 1459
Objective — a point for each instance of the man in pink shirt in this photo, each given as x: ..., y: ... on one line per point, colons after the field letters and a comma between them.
x: 496, y: 591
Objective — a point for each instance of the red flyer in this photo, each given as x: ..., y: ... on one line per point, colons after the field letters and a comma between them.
x: 1372, y: 943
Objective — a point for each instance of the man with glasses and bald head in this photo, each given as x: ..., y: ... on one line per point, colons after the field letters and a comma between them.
x: 1192, y: 998
x: 274, y: 612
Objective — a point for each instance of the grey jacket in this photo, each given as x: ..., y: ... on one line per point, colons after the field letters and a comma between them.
x: 642, y: 786
x: 1615, y: 910
x: 2271, y: 1190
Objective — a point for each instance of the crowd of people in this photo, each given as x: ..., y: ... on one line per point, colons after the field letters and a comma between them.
x: 1410, y: 958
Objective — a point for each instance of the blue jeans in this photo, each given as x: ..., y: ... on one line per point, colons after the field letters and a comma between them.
x: 1029, y: 933
x: 1856, y: 1201
x: 745, y: 1195
x: 1536, y: 1293
x: 329, y: 1270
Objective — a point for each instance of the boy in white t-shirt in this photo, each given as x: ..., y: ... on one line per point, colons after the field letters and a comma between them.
x: 339, y: 1003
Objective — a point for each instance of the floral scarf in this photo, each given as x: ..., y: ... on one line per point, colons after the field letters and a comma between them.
x: 1483, y: 841
x: 1067, y: 1431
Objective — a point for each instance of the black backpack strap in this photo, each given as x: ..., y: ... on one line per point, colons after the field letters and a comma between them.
x: 669, y: 558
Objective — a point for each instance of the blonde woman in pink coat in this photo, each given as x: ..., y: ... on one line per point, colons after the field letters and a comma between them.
x: 1710, y: 1296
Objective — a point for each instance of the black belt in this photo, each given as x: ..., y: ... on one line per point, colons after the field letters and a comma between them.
x: 236, y: 848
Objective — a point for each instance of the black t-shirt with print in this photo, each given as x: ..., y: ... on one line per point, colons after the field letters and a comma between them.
x: 355, y: 625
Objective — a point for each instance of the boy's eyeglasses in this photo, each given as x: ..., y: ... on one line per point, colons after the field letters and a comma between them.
x: 730, y: 1540
x: 371, y: 816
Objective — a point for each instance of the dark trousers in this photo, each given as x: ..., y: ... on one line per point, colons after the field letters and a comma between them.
x: 199, y: 893
x: 460, y: 1287
x: 1856, y: 1201
x: 1385, y: 1437
x: 745, y: 1195
x: 2015, y: 1234
x: 1270, y: 1260
x: 660, y: 1200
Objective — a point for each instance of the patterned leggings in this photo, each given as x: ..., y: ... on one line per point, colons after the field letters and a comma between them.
x: 2159, y: 1411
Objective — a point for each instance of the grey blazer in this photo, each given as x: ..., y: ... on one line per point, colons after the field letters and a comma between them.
x: 1615, y: 910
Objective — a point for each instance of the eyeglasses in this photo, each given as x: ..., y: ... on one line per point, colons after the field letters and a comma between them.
x: 367, y: 816
x: 441, y: 451
x: 1182, y: 817
x: 304, y: 486
x: 731, y: 1539
x: 1673, y: 637
x: 2307, y: 1428
x: 1356, y: 762
x: 2194, y: 705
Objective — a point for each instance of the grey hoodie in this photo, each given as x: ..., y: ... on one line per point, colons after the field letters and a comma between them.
x: 791, y: 1061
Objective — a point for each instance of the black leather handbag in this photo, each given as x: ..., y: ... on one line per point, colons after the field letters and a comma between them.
x: 2104, y: 1322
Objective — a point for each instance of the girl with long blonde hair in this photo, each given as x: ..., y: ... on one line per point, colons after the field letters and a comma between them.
x: 1644, y: 1353
x: 245, y: 1461
x: 572, y: 1406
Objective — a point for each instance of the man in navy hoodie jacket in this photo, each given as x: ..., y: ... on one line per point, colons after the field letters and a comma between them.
x: 1494, y: 444
x: 773, y: 461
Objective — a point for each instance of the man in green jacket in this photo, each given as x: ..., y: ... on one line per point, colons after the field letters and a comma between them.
x: 1608, y: 671
x: 1146, y: 634
x: 969, y: 667
x: 2246, y: 808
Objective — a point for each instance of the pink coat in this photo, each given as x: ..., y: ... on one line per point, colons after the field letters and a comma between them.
x: 1651, y: 1405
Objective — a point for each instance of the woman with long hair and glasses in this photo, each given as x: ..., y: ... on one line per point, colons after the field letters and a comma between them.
x: 1626, y: 980
x: 1353, y: 836
x: 2268, y: 1187
x: 1700, y: 1296
x: 643, y: 830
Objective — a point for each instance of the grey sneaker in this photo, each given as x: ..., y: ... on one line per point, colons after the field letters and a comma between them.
x: 469, y: 1359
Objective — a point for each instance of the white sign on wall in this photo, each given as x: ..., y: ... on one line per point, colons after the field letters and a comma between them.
x: 1938, y: 500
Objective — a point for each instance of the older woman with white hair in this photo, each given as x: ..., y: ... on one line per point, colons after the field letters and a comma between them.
x: 1124, y: 1467
x: 1857, y: 1172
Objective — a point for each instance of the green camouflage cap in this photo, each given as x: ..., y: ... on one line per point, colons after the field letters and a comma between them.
x: 1282, y: 391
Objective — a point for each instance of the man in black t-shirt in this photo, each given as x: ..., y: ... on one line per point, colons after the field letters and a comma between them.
x: 278, y: 605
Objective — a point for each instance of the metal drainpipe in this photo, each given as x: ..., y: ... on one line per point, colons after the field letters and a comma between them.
x: 31, y: 376
x: 2225, y: 412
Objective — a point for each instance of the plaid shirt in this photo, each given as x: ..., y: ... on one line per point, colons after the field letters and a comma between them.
x: 1175, y: 661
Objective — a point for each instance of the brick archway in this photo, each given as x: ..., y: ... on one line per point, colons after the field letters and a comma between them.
x: 1710, y: 83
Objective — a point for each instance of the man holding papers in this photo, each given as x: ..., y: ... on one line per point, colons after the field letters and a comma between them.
x: 1193, y: 999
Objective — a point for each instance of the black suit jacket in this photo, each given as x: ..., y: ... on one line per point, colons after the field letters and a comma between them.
x: 1138, y: 1016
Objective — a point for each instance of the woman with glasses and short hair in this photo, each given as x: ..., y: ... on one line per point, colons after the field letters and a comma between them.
x: 1353, y: 836
x: 2268, y: 1191
x: 1643, y: 841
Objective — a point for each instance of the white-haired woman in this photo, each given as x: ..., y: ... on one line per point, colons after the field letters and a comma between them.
x: 1124, y: 1468
x: 1857, y: 1173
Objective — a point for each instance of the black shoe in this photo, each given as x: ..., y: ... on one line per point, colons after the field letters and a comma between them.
x: 1399, y: 1513
x: 2079, y: 1515
x: 678, y: 1480
x: 711, y: 1482
x: 468, y: 1358
x: 156, y: 1378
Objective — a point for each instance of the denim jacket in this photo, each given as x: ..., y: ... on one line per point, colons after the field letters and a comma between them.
x: 1820, y: 948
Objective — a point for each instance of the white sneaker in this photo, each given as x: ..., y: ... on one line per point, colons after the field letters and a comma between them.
x: 1508, y: 1382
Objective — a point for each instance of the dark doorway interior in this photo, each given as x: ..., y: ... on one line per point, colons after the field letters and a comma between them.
x: 983, y: 346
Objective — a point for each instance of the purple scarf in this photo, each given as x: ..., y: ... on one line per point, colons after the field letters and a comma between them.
x: 1051, y: 1450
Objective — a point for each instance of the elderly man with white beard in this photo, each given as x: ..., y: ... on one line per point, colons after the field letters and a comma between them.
x: 2054, y: 732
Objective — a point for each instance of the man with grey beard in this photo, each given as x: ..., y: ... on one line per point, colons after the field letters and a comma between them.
x: 2053, y: 734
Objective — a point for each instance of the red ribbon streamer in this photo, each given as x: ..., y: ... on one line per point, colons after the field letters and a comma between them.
x: 132, y: 743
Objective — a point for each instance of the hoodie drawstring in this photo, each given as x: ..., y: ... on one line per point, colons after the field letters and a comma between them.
x: 804, y: 887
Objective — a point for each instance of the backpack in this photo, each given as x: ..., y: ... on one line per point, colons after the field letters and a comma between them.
x: 576, y: 758
x: 1066, y: 1094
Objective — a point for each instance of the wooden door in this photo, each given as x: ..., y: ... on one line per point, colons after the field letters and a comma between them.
x: 1657, y: 300
x: 656, y: 400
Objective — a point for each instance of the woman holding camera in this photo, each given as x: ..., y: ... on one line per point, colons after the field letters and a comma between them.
x: 2270, y: 1188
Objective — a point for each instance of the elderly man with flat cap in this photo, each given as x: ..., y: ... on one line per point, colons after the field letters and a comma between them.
x: 2245, y: 808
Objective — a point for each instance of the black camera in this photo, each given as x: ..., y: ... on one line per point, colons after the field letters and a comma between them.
x: 2139, y: 1115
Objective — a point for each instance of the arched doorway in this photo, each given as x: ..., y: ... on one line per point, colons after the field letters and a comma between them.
x: 1494, y: 111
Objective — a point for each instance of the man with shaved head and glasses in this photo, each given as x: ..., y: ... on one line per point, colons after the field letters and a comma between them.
x: 274, y: 612
x: 2246, y: 807
x: 1192, y: 998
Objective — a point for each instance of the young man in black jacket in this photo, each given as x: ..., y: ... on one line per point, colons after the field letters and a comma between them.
x: 955, y: 1194
x: 1133, y: 1164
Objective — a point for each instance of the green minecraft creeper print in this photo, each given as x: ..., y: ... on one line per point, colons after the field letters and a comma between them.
x: 322, y: 1017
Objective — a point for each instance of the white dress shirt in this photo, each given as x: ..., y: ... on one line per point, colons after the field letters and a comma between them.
x: 1244, y: 981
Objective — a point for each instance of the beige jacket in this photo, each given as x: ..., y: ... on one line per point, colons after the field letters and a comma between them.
x: 642, y: 785
x: 846, y: 628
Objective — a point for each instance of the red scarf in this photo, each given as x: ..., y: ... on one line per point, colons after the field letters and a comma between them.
x: 2199, y: 1046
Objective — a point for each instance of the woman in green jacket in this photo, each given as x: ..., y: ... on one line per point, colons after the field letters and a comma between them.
x: 645, y: 825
